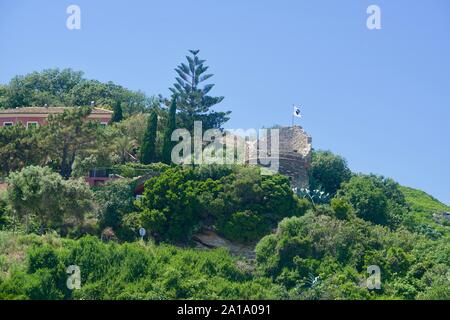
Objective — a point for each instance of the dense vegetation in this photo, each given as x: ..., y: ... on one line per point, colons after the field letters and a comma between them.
x: 315, y: 256
x: 314, y: 243
x: 239, y: 202
x: 320, y: 253
x: 69, y: 88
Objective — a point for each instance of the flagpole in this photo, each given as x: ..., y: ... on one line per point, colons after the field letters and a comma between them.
x: 293, y: 106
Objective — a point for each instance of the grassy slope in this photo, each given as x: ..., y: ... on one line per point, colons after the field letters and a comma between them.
x: 420, y: 201
x: 14, y: 246
x: 423, y: 206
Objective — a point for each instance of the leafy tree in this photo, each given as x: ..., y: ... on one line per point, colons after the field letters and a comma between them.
x: 328, y: 171
x: 169, y: 205
x: 375, y: 199
x: 3, y: 95
x: 19, y: 147
x: 36, y: 192
x: 370, y: 202
x: 117, y: 116
x: 193, y: 101
x: 66, y: 87
x: 342, y: 208
x: 134, y: 126
x: 240, y: 204
x: 67, y: 136
x: 115, y: 201
x: 171, y: 126
x: 148, y: 145
x: 51, y: 87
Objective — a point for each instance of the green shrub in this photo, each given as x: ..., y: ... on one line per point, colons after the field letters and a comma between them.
x: 42, y: 257
x: 132, y: 169
x: 328, y: 171
x: 342, y: 209
x: 41, y: 194
x: 239, y: 201
x: 115, y: 200
x: 244, y: 226
x: 375, y: 199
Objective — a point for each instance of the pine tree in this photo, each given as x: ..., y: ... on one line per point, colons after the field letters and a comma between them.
x: 171, y: 126
x: 193, y: 100
x: 148, y: 147
x: 117, y: 116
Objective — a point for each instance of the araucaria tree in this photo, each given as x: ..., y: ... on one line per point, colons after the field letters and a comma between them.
x: 193, y: 101
x: 148, y: 148
x: 171, y: 126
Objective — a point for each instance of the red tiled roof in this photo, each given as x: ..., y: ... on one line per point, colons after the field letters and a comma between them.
x: 49, y: 110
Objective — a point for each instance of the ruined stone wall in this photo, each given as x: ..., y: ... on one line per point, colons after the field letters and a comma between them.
x: 294, y: 154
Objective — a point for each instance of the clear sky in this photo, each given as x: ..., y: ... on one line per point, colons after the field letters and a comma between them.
x: 380, y: 98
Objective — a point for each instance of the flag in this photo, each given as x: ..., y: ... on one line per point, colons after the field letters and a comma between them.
x: 297, y: 112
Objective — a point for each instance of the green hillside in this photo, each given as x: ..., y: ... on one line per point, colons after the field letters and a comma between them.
x: 426, y: 213
x: 212, y: 231
x: 420, y: 201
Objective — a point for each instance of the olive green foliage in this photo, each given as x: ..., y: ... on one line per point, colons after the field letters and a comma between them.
x: 38, y: 193
x: 69, y: 144
x: 328, y: 171
x: 114, y: 202
x: 132, y: 271
x: 342, y: 209
x: 69, y: 88
x: 375, y: 198
x: 420, y: 201
x: 19, y: 147
x: 304, y: 250
x: 338, y: 253
x: 67, y: 136
x: 239, y: 202
x: 243, y: 226
x: 135, y: 169
x: 426, y: 214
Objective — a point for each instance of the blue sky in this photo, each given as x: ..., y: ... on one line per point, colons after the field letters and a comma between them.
x: 380, y: 98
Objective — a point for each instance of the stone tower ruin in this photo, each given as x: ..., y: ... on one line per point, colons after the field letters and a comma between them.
x: 294, y: 154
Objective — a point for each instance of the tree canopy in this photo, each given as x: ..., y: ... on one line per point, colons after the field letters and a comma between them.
x: 69, y: 88
x: 38, y: 193
x: 328, y: 171
x: 193, y: 100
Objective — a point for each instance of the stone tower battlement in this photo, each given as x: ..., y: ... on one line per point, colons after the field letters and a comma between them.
x: 294, y: 154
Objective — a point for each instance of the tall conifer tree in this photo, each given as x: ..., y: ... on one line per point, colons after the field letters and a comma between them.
x: 148, y: 146
x: 171, y: 126
x: 117, y: 116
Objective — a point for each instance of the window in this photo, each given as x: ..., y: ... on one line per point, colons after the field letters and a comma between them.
x: 7, y: 124
x: 32, y: 124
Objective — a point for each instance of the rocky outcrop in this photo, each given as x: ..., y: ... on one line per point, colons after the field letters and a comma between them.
x: 208, y: 239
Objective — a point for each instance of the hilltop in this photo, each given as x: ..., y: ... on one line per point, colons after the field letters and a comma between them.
x: 80, y: 192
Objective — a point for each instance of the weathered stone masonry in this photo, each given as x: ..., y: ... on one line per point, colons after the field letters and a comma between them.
x: 294, y: 154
